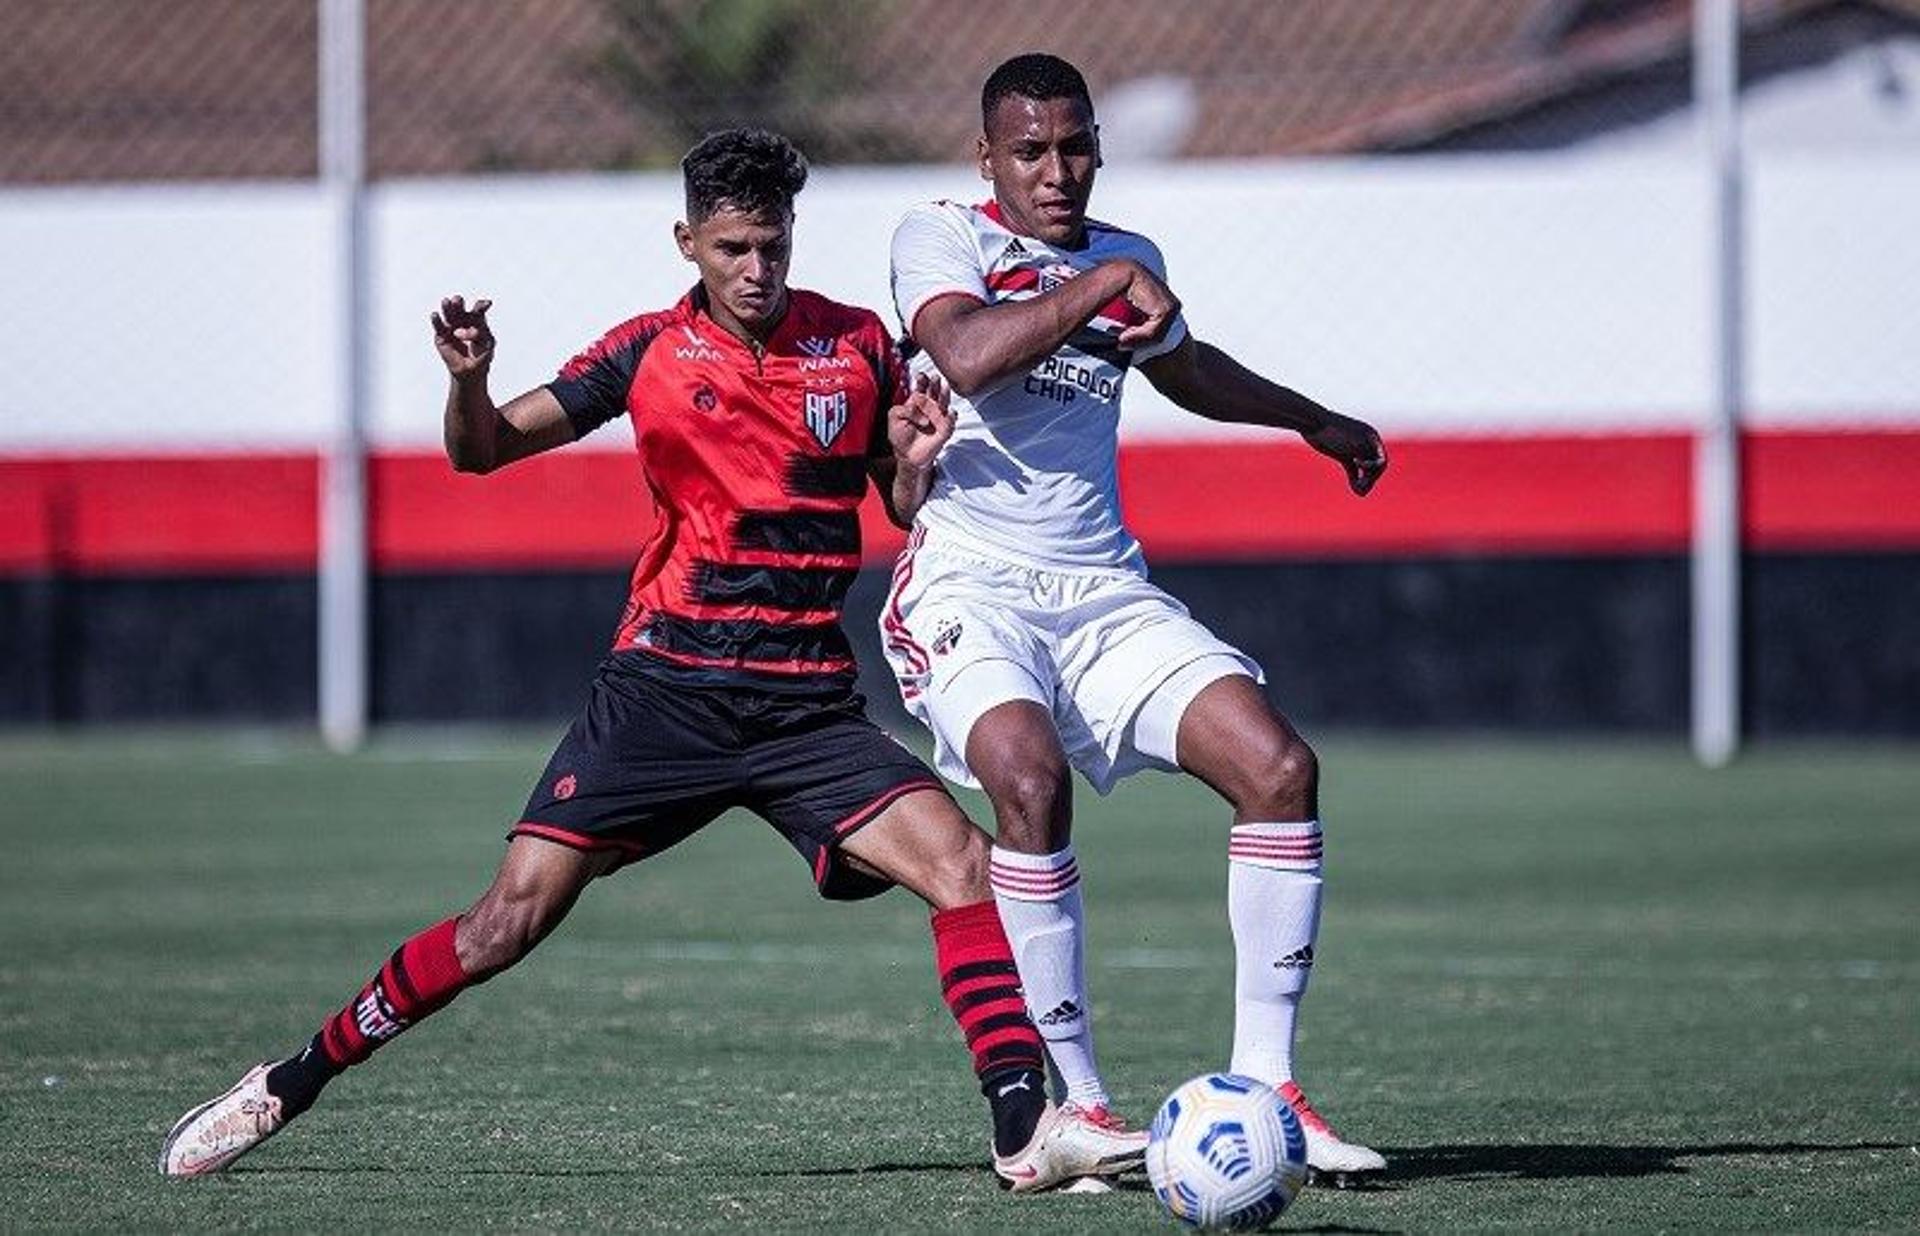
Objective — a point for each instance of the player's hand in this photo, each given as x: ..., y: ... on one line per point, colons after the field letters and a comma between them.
x: 919, y: 425
x: 1355, y: 446
x: 462, y: 336
x: 1157, y: 305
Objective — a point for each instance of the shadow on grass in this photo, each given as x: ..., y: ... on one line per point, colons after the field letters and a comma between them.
x: 370, y: 1169
x: 1407, y: 1165
x: 1555, y: 1162
x: 868, y: 1169
x: 564, y: 1170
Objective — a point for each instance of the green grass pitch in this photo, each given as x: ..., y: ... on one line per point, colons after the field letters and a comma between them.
x: 1561, y: 986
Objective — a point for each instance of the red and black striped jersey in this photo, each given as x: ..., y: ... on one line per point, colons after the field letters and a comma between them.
x: 756, y: 460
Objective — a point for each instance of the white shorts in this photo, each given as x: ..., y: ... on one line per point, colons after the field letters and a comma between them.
x: 1115, y: 659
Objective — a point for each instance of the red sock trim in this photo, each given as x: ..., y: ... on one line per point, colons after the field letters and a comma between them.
x: 982, y: 988
x: 981, y: 916
x: 422, y: 976
x: 431, y: 973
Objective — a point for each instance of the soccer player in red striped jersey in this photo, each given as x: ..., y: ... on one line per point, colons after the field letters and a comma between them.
x: 761, y: 414
x: 1023, y: 629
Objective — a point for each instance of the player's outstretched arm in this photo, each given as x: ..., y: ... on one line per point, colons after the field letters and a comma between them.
x: 1207, y: 382
x: 917, y: 427
x: 977, y: 346
x: 479, y: 435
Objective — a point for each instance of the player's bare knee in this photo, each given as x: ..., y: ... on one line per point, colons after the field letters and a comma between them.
x: 1032, y: 806
x: 1280, y: 779
x: 948, y: 864
x: 962, y: 878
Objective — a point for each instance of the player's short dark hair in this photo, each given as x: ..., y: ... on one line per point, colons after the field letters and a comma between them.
x: 1034, y: 75
x: 750, y: 170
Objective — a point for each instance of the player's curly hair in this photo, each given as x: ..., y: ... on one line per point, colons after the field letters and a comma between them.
x: 1034, y: 75
x: 750, y: 170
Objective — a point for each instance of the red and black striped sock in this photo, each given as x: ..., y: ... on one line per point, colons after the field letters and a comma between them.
x: 982, y: 987
x: 422, y: 976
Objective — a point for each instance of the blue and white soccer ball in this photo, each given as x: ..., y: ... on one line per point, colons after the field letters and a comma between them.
x: 1226, y: 1152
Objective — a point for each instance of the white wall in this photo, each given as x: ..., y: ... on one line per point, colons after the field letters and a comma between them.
x: 143, y: 317
x: 1496, y: 293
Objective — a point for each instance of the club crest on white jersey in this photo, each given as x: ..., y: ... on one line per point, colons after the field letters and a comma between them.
x: 1050, y: 435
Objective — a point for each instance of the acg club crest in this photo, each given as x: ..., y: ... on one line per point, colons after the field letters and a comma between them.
x: 826, y: 416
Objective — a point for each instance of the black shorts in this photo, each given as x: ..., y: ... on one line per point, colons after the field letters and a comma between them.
x: 653, y: 759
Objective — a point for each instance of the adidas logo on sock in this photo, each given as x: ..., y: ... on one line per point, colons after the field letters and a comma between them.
x: 1298, y: 959
x: 1060, y: 1014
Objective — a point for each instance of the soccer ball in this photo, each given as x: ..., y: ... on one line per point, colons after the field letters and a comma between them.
x: 1226, y: 1152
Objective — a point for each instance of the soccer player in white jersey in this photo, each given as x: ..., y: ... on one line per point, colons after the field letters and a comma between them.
x: 1022, y: 627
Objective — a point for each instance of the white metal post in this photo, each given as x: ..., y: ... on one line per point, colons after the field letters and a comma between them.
x: 1716, y: 461
x: 343, y: 490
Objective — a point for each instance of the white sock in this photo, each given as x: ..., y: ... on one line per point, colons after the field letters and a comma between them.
x: 1038, y: 896
x: 1273, y: 902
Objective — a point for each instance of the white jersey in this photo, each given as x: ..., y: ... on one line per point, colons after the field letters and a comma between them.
x: 1030, y: 475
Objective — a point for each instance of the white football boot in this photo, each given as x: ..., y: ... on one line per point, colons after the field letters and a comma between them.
x: 1327, y: 1154
x: 217, y: 1132
x: 1069, y: 1143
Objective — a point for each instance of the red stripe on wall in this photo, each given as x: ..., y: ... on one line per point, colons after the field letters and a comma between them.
x: 1818, y: 491
x: 223, y: 514
x: 562, y: 511
x: 207, y: 514
x: 1803, y: 490
x: 28, y: 515
x: 1513, y: 495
